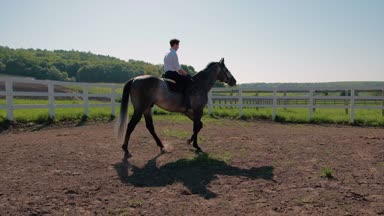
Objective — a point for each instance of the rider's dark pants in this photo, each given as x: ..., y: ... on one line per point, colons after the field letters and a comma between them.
x: 182, y: 81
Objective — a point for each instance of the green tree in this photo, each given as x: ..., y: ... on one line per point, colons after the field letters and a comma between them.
x: 74, y: 65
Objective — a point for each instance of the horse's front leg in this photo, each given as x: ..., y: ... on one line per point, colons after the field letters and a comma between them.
x: 189, y: 141
x: 197, y: 126
x: 190, y: 116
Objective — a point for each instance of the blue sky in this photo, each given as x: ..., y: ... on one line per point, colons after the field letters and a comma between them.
x: 262, y: 41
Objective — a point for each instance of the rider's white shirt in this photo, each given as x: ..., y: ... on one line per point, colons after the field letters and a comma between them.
x: 171, y: 61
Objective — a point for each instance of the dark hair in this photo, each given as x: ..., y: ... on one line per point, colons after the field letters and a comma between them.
x: 173, y: 42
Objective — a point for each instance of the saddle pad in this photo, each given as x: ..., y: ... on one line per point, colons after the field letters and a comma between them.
x: 172, y: 85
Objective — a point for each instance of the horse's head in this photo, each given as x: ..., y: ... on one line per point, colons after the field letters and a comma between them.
x: 225, y: 75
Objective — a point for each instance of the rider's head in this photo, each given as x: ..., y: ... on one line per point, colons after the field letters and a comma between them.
x: 174, y: 44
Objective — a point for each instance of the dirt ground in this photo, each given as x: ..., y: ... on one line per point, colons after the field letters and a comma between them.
x: 251, y: 168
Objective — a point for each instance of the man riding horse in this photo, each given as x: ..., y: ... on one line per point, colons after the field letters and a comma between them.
x: 173, y: 71
x: 145, y: 91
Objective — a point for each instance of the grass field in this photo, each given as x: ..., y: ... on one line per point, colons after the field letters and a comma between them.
x: 62, y: 114
x: 96, y: 90
x: 301, y: 115
x: 333, y: 116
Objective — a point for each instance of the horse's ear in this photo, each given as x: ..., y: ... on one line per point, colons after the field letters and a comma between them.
x: 222, y: 61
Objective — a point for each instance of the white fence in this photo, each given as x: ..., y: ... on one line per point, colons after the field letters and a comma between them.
x: 348, y: 99
x: 51, y: 94
x: 239, y: 98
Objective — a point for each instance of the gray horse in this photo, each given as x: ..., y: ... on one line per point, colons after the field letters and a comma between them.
x: 148, y: 90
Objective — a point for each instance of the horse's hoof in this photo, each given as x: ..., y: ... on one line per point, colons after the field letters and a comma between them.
x: 127, y: 155
x: 189, y: 142
x: 163, y: 151
x: 198, y: 150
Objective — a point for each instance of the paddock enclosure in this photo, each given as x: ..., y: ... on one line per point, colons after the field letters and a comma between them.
x: 90, y: 95
x: 249, y: 168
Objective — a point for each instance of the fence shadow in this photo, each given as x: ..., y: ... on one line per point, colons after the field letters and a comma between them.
x: 195, y: 174
x: 4, y: 125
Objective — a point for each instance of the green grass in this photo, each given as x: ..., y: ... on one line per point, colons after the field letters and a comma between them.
x: 62, y: 114
x: 45, y: 102
x: 327, y: 172
x: 41, y: 115
x: 223, y: 156
x: 96, y: 90
x: 181, y: 134
x: 299, y: 115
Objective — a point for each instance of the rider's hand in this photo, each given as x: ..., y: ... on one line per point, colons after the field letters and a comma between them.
x: 182, y: 72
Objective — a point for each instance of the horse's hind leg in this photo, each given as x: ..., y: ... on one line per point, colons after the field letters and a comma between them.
x: 151, y: 129
x: 131, y: 126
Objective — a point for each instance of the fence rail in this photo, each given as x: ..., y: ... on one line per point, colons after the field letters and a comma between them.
x: 348, y: 99
x: 9, y: 94
x: 239, y: 98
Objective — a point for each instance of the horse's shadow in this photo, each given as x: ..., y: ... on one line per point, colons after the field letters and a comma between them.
x: 195, y: 174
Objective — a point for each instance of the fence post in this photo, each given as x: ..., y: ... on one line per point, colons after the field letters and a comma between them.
x: 285, y: 100
x: 257, y: 94
x: 311, y: 105
x: 85, y: 99
x: 240, y: 101
x: 51, y: 99
x: 113, y: 101
x: 352, y: 106
x: 210, y: 102
x: 9, y: 98
x: 314, y: 102
x: 346, y: 93
x: 382, y: 110
x: 274, y: 107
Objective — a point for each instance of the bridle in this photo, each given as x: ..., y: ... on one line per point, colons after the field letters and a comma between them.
x: 225, y: 73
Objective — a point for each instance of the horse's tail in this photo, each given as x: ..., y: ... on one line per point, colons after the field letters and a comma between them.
x: 121, y: 123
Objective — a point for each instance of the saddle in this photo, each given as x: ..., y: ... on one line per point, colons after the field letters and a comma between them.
x: 173, y: 86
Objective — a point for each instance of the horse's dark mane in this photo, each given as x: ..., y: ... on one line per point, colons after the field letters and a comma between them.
x: 209, y: 65
x: 206, y: 68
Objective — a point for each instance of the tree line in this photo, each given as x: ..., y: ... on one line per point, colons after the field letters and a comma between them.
x: 74, y: 66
